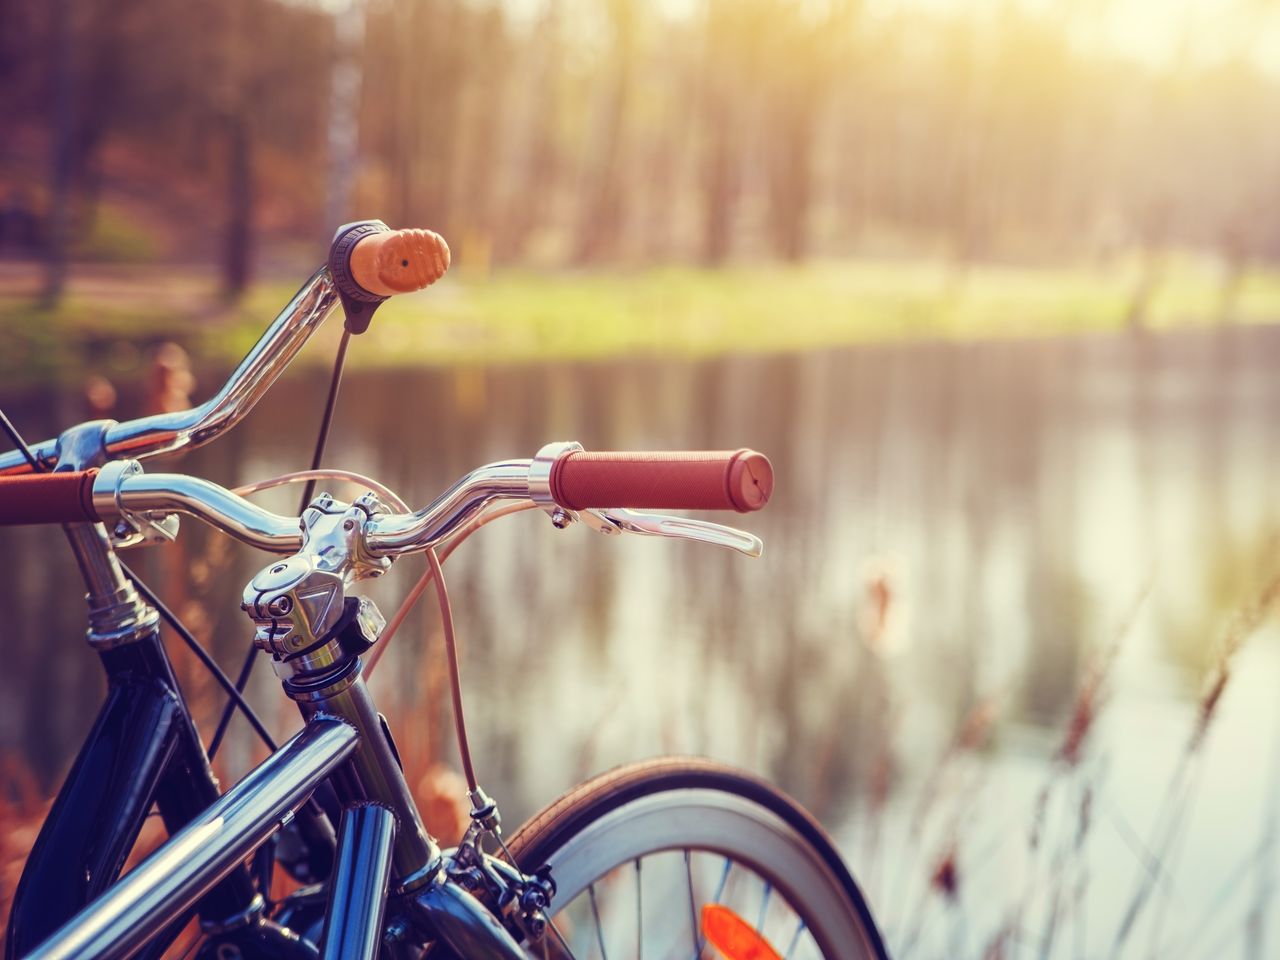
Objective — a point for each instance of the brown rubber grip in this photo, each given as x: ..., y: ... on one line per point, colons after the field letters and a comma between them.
x: 398, y: 261
x: 48, y: 498
x: 739, y: 480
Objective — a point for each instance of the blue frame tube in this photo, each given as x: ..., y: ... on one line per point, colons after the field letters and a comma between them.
x: 143, y: 749
x: 358, y: 888
x: 211, y: 846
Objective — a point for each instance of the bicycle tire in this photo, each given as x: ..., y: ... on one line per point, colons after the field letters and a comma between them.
x: 698, y: 805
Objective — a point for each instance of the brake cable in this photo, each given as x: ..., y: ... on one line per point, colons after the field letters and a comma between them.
x: 326, y: 418
x: 21, y: 444
x: 322, y: 438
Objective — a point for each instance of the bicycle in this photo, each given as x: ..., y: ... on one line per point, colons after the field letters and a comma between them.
x: 733, y: 867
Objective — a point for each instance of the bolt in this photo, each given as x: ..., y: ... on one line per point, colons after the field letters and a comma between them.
x: 280, y: 606
x: 559, y: 518
x: 278, y: 568
x: 122, y: 530
x: 348, y: 525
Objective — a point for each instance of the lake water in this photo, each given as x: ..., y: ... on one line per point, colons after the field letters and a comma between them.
x: 964, y: 537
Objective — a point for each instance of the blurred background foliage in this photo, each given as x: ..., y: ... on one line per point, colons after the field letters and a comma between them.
x: 1100, y: 152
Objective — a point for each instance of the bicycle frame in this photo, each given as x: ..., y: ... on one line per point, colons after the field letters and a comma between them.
x: 165, y: 885
x: 143, y: 749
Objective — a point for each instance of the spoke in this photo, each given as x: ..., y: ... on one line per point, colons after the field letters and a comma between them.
x: 724, y: 878
x: 639, y: 917
x: 764, y: 906
x: 595, y: 912
x: 795, y: 940
x: 564, y: 944
x: 694, y: 930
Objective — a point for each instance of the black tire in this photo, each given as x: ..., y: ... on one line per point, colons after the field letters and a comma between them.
x: 696, y: 805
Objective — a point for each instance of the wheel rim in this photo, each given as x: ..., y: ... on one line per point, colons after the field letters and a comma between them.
x: 703, y: 829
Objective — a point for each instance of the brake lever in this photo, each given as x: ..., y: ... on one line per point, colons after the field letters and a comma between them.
x: 617, y: 520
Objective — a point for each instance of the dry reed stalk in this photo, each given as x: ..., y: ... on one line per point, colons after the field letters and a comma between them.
x: 1170, y: 818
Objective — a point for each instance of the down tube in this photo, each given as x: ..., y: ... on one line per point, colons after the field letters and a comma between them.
x: 195, y: 858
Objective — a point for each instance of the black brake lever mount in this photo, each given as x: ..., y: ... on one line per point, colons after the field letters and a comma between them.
x: 358, y: 304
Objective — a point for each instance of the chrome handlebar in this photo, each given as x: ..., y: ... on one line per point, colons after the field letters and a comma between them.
x: 132, y: 502
x: 168, y: 432
x: 121, y: 492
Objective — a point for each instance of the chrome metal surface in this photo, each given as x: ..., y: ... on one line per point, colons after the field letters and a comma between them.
x: 117, y: 614
x: 319, y: 672
x: 293, y: 604
x: 175, y: 876
x: 167, y: 432
x: 400, y: 534
x: 617, y: 520
x: 540, y: 477
x: 84, y: 445
x: 333, y: 533
x: 297, y: 602
x: 133, y: 527
x: 115, y: 497
x: 358, y: 887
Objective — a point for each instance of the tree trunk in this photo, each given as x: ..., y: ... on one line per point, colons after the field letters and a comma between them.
x: 600, y: 229
x: 791, y: 182
x: 239, y: 235
x: 58, y: 239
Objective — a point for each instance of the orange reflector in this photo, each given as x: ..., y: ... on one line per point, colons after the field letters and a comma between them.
x: 733, y: 936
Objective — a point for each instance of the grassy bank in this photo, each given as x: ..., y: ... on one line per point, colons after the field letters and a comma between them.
x: 517, y: 316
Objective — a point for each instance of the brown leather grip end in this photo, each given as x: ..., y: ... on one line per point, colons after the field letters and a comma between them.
x: 48, y: 498
x: 398, y: 261
x: 739, y: 480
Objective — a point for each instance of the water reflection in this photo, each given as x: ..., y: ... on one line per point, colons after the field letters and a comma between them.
x: 957, y: 530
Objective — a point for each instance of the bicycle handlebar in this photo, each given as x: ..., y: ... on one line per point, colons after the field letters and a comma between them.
x: 739, y: 480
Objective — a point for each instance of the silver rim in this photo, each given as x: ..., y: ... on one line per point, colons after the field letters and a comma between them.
x: 703, y: 828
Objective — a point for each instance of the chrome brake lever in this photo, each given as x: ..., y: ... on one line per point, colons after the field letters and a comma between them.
x: 617, y: 520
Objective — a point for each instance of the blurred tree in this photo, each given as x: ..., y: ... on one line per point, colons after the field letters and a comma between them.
x: 733, y: 29
x: 801, y: 60
x: 538, y: 154
x: 570, y: 132
x: 62, y: 66
x: 605, y: 195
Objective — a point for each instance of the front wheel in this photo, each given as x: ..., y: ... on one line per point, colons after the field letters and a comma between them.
x: 672, y: 857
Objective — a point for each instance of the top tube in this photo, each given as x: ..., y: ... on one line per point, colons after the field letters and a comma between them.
x: 168, y: 432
